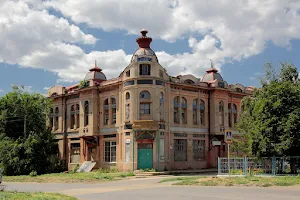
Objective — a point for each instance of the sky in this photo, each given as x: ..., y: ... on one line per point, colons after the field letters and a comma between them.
x: 49, y: 42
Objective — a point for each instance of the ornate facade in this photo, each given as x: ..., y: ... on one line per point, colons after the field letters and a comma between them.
x: 145, y: 118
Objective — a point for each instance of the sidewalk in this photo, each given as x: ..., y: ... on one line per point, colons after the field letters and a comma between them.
x: 175, y: 172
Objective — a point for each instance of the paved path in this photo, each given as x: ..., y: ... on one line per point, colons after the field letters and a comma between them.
x: 149, y: 188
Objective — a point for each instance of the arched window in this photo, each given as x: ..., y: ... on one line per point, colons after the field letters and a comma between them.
x: 234, y: 111
x: 229, y: 115
x: 202, y: 112
x: 161, y: 106
x: 189, y: 81
x: 176, y: 110
x: 221, y: 113
x: 144, y: 106
x: 127, y: 95
x: 51, y: 118
x: 114, y: 110
x: 106, y: 112
x: 195, y: 109
x: 145, y: 95
x: 56, y: 118
x: 183, y: 110
x: 86, y: 113
x: 77, y: 116
x: 72, y: 120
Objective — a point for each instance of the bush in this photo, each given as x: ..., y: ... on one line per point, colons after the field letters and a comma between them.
x: 33, y: 173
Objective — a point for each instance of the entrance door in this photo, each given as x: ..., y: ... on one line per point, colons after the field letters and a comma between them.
x: 145, y: 156
x: 92, y: 154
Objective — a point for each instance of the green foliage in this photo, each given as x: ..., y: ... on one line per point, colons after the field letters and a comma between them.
x: 33, y: 173
x: 25, y: 140
x: 270, y: 122
x: 83, y: 84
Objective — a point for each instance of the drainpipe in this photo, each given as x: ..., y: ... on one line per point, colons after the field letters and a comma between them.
x: 209, y: 121
x: 133, y: 136
x: 64, y: 124
x: 169, y: 114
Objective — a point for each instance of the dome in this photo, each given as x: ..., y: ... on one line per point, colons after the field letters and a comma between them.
x: 95, y: 74
x: 212, y: 75
x: 143, y: 52
x: 144, y: 46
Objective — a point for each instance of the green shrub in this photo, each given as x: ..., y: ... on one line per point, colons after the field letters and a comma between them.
x: 33, y: 173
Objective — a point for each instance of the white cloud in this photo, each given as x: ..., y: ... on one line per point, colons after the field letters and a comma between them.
x: 1, y: 90
x: 219, y: 30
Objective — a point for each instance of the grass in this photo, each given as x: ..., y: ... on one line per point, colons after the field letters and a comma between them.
x: 87, y: 177
x: 235, y: 181
x: 34, y: 196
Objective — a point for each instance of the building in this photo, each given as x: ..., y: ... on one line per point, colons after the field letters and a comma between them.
x: 145, y: 118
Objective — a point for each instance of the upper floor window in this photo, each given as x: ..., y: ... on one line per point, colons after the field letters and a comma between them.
x: 195, y: 108
x: 128, y: 73
x: 202, y: 112
x: 106, y: 111
x: 234, y: 111
x: 114, y: 110
x: 183, y: 110
x: 77, y: 116
x: 86, y: 113
x: 51, y: 118
x: 145, y: 95
x: 127, y: 95
x: 72, y: 125
x: 229, y: 115
x: 221, y: 113
x: 56, y: 119
x: 145, y: 69
x: 176, y: 110
x: 161, y: 106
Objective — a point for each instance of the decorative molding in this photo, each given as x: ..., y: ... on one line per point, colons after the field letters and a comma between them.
x: 194, y: 130
x: 109, y: 130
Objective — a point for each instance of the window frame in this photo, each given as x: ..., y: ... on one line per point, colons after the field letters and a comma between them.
x: 111, y: 146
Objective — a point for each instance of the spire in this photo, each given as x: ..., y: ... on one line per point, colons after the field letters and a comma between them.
x: 95, y: 68
x: 211, y: 69
x: 144, y: 41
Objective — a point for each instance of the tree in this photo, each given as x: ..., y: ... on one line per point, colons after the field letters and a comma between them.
x: 26, y: 143
x: 270, y: 122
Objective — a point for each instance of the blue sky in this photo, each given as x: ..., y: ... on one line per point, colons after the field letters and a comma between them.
x: 56, y: 41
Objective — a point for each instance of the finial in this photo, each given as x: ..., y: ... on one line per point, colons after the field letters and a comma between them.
x: 144, y: 32
x: 211, y: 63
x: 95, y: 63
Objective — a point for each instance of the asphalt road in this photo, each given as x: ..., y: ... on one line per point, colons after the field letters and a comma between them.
x: 149, y: 188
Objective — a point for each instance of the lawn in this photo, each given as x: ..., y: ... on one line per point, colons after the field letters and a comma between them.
x: 235, y: 181
x: 87, y: 177
x: 34, y: 196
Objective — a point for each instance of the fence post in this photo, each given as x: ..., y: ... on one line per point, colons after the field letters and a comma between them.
x: 245, y: 166
x: 273, y: 165
x: 219, y: 165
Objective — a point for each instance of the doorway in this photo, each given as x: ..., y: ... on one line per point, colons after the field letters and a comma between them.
x: 145, y: 155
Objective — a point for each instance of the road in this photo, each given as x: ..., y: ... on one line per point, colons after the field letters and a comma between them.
x: 149, y: 188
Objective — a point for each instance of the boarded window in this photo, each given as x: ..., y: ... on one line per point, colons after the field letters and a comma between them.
x: 180, y: 150
x: 75, y: 153
x: 199, y: 149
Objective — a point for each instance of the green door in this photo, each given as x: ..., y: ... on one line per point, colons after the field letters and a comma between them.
x: 145, y: 156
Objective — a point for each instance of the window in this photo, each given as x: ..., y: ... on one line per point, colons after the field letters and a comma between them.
x: 202, y: 112
x: 145, y: 69
x: 176, y: 111
x: 106, y: 112
x: 221, y: 113
x: 199, y: 150
x: 110, y: 151
x: 72, y: 122
x: 86, y: 113
x: 145, y: 95
x: 183, y: 110
x: 127, y: 111
x: 159, y: 82
x: 229, y: 115
x: 56, y: 118
x: 128, y: 73
x: 234, y: 111
x: 114, y: 110
x: 180, y: 150
x: 239, y: 90
x: 150, y: 82
x: 75, y: 153
x: 127, y: 95
x: 127, y: 83
x: 51, y: 118
x: 161, y: 73
x: 195, y: 108
x: 161, y: 106
x: 145, y: 108
x: 77, y: 116
x: 189, y: 81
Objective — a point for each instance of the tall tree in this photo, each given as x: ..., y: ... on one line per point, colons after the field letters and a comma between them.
x: 25, y: 142
x: 270, y: 122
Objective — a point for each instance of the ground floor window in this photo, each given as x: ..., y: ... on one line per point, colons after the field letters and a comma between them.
x: 180, y: 150
x: 75, y: 153
x: 199, y: 150
x: 110, y: 151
